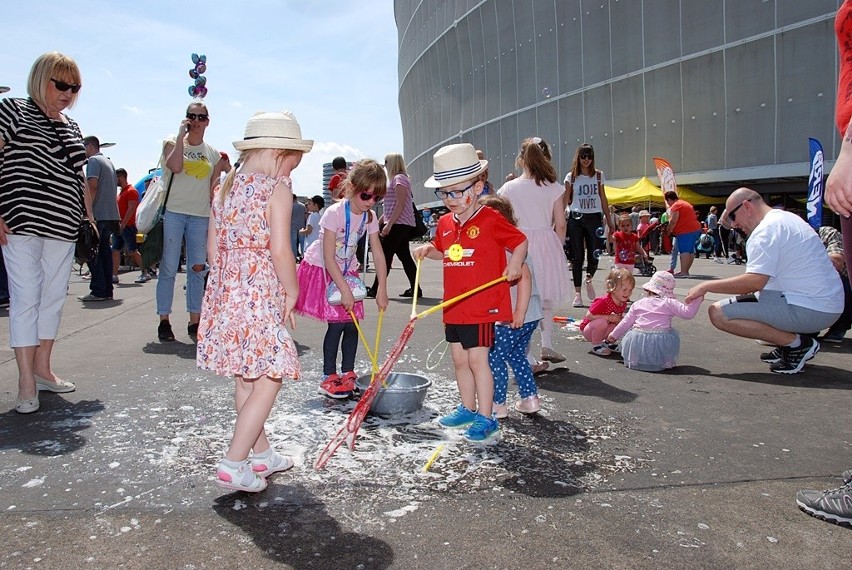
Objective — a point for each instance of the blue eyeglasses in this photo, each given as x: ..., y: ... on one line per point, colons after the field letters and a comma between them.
x: 454, y: 194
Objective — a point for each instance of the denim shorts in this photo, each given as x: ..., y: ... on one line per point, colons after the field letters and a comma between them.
x: 125, y: 239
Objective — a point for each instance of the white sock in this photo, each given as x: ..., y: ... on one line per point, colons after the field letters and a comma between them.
x: 796, y: 342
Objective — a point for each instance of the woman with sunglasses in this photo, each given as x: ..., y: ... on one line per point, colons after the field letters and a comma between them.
x: 397, y: 223
x: 43, y: 198
x: 585, y: 194
x: 193, y: 167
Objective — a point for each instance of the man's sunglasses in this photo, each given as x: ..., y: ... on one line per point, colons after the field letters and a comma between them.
x: 201, y: 117
x: 732, y: 215
x: 454, y: 194
x: 367, y: 196
x: 62, y: 86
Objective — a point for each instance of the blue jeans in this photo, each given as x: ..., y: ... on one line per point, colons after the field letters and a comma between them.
x: 176, y: 227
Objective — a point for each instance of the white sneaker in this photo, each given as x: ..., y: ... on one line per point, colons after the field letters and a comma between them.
x: 590, y: 290
x: 578, y: 300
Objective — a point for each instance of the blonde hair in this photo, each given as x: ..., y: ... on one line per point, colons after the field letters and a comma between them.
x: 52, y: 65
x: 395, y: 164
x: 616, y: 277
x: 502, y: 205
x: 228, y: 184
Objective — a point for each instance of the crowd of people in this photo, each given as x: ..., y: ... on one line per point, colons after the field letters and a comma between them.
x: 256, y: 256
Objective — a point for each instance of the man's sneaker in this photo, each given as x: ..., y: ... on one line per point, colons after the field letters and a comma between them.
x: 458, y: 418
x: 143, y: 278
x: 528, y: 405
x: 265, y: 464
x: 833, y: 505
x: 348, y: 381
x: 164, y: 331
x: 90, y: 298
x: 773, y: 356
x: 333, y: 387
x: 793, y: 359
x: 483, y: 430
x: 241, y: 478
x: 847, y: 476
x: 115, y: 279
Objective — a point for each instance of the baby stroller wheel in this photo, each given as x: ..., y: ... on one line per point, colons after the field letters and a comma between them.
x: 647, y: 270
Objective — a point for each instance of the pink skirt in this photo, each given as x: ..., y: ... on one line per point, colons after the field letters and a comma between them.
x: 313, y: 281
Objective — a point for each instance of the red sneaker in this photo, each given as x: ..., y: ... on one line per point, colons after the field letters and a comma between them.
x: 348, y: 382
x: 334, y: 387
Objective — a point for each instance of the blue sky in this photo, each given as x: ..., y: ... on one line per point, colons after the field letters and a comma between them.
x: 331, y: 62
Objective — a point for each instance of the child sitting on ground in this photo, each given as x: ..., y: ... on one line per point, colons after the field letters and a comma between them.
x: 605, y: 312
x: 626, y: 245
x: 650, y: 343
x: 512, y: 338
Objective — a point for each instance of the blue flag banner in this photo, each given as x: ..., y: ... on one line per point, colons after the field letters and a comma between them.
x: 815, y: 185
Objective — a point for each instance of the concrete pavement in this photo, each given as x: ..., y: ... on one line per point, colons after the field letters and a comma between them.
x: 695, y: 467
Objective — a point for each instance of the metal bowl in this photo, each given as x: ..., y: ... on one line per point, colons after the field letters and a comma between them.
x: 402, y: 394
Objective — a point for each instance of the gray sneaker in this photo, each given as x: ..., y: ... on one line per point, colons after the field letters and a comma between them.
x: 143, y: 278
x: 833, y: 505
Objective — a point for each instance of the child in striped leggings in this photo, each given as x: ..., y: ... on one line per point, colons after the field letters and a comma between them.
x: 512, y: 340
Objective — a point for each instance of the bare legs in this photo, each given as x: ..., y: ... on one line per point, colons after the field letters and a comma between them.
x: 32, y: 361
x: 253, y: 401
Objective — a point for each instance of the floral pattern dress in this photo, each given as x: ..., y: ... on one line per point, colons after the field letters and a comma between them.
x: 242, y: 330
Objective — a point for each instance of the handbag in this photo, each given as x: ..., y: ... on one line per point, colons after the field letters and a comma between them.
x: 419, y: 230
x: 359, y: 290
x: 87, y: 241
x: 150, y: 209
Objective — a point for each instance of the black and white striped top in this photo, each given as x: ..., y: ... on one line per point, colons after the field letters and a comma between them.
x: 40, y: 194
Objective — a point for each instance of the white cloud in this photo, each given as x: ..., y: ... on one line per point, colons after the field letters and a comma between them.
x: 132, y: 109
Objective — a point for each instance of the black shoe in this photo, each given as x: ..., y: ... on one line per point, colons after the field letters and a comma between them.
x: 192, y: 330
x: 4, y: 303
x: 164, y: 331
x: 410, y: 293
x: 773, y: 356
x: 793, y: 359
x: 371, y: 293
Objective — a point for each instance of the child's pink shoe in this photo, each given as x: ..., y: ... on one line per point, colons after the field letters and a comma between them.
x: 528, y: 405
x: 500, y: 411
x: 241, y: 478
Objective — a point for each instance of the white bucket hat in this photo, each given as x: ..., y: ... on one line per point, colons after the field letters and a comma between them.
x: 453, y: 164
x: 662, y: 283
x: 274, y: 130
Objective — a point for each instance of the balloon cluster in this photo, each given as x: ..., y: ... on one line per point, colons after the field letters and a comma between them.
x: 199, y: 87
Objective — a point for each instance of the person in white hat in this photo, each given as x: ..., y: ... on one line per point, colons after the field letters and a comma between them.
x: 472, y: 241
x: 649, y: 342
x: 252, y: 291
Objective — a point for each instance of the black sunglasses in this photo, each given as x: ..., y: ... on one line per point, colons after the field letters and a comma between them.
x: 367, y: 196
x: 732, y: 215
x: 586, y: 155
x: 62, y: 86
x: 197, y: 116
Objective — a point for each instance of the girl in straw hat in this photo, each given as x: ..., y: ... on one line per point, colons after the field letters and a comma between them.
x: 252, y: 291
x: 650, y: 343
x: 472, y: 241
x: 333, y: 258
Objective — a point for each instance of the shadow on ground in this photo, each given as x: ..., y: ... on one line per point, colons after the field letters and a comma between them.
x: 291, y: 526
x: 52, y: 430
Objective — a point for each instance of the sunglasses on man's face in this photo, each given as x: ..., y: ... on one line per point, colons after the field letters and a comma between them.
x: 367, y: 196
x: 62, y: 86
x: 732, y: 215
x: 201, y: 117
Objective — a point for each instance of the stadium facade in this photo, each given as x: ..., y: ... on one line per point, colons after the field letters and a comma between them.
x: 728, y: 91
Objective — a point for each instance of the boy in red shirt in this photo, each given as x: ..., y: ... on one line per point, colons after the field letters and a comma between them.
x: 125, y: 238
x: 472, y: 240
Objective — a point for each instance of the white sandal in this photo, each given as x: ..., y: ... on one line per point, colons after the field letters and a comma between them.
x: 27, y: 406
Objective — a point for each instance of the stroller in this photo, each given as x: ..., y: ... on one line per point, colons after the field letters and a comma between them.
x: 646, y: 268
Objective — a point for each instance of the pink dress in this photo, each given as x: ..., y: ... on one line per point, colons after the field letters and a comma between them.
x: 242, y: 330
x: 533, y: 206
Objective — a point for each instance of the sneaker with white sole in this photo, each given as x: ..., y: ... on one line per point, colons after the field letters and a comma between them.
x: 334, y: 387
x: 590, y: 290
x: 772, y: 356
x: 241, y: 478
x: 793, y: 359
x: 578, y: 301
x: 458, y: 418
x: 833, y: 505
x: 265, y: 464
x: 483, y: 430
